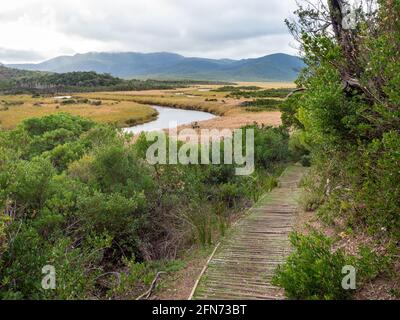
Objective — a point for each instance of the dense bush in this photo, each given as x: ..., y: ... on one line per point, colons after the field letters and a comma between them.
x: 352, y: 131
x: 81, y: 197
x: 351, y: 126
x: 74, y: 196
x: 262, y: 105
x: 236, y: 88
x: 237, y: 92
x: 271, y: 146
x: 314, y: 270
x: 290, y: 108
x: 13, y: 81
x: 68, y: 101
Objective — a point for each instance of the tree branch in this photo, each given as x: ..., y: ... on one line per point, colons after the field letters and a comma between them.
x: 149, y: 292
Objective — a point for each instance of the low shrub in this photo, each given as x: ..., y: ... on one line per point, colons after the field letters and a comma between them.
x: 314, y: 271
x: 271, y: 146
x: 68, y: 101
x: 96, y: 102
x: 262, y: 104
x: 298, y: 146
x: 139, y: 276
x: 305, y: 160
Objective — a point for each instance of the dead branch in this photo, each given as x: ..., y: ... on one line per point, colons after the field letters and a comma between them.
x: 294, y: 91
x: 149, y: 292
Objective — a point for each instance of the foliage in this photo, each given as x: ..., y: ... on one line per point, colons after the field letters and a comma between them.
x: 262, y: 105
x: 3, y: 235
x: 314, y: 270
x: 298, y: 146
x: 271, y: 146
x: 236, y: 88
x: 348, y: 113
x: 13, y: 81
x: 289, y: 109
x: 62, y: 219
x: 352, y: 130
x: 81, y: 197
x: 139, y: 277
x: 237, y: 92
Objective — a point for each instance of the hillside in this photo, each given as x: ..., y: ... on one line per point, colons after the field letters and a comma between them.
x: 13, y: 81
x: 276, y: 67
x: 7, y: 74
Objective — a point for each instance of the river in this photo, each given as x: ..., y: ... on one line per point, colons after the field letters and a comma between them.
x: 167, y: 115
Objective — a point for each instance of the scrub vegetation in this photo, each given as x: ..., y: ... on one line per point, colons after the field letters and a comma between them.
x: 80, y: 196
x: 347, y: 116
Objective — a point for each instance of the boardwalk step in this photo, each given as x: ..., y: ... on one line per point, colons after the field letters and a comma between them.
x: 245, y: 262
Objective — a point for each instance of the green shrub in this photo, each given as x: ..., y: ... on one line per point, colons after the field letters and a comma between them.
x: 96, y: 102
x: 29, y: 184
x: 3, y: 234
x: 64, y: 154
x: 39, y: 126
x: 236, y: 88
x: 68, y: 101
x: 378, y: 194
x: 289, y: 110
x: 312, y: 271
x: 352, y: 130
x: 257, y: 93
x: 75, y: 279
x: 260, y: 182
x: 82, y: 198
x: 271, y: 146
x: 305, y: 160
x: 14, y: 103
x: 229, y: 194
x: 115, y: 215
x: 298, y: 146
x: 138, y: 277
x: 262, y: 104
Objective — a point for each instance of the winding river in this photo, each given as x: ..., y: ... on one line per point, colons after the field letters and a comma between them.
x: 167, y: 115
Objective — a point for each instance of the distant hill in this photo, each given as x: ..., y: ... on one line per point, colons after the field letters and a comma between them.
x: 275, y: 67
x: 7, y: 74
x: 14, y: 81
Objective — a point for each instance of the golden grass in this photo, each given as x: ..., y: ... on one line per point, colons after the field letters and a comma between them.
x: 15, y: 109
x: 269, y: 85
x: 192, y: 98
x: 131, y: 107
x: 185, y: 101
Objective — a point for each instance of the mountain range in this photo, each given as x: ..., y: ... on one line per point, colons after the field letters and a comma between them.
x: 164, y: 65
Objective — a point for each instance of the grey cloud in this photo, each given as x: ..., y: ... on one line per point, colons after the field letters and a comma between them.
x: 202, y: 21
x: 215, y: 28
x: 12, y: 55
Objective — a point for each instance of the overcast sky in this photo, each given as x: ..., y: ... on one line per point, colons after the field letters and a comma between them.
x: 35, y: 30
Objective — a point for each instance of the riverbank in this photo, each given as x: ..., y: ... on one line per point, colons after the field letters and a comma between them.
x: 230, y: 111
x: 171, y: 116
x: 15, y: 109
x: 131, y: 108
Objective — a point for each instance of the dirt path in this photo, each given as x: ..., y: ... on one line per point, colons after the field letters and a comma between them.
x: 244, y: 263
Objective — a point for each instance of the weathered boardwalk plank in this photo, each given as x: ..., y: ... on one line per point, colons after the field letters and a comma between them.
x: 245, y: 262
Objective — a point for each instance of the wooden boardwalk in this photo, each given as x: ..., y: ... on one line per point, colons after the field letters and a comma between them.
x: 244, y: 263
